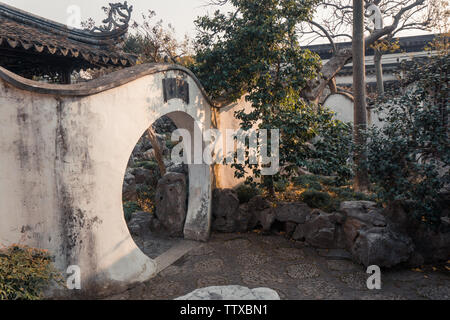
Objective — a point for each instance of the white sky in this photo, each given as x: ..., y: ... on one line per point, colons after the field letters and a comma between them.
x: 180, y: 13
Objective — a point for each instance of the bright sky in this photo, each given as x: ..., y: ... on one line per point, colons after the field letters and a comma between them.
x: 180, y: 13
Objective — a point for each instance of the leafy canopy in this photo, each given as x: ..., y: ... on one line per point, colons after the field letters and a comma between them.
x: 254, y: 51
x: 409, y: 157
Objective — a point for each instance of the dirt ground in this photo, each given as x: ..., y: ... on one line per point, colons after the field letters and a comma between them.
x: 296, y: 272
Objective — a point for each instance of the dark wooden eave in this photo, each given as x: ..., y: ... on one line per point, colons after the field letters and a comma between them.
x: 32, y: 45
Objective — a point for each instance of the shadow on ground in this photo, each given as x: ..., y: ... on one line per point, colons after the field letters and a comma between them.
x: 296, y: 272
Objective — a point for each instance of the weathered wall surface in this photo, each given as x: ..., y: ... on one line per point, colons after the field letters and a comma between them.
x: 224, y: 174
x: 62, y: 165
x: 342, y: 105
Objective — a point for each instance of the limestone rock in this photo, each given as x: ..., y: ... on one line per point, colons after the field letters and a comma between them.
x: 141, y: 175
x: 231, y: 293
x: 258, y: 203
x: 319, y: 230
x: 225, y: 210
x: 171, y: 195
x: 260, y: 213
x: 292, y: 212
x: 382, y: 247
x: 129, y: 188
x: 140, y: 223
x: 432, y: 245
x: 364, y: 211
x: 178, y: 168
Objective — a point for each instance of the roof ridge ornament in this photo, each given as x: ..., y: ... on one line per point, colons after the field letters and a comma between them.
x: 119, y: 16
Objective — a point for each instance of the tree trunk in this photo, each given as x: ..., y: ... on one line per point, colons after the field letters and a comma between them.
x: 359, y: 92
x: 377, y: 58
x: 332, y: 85
x: 158, y: 153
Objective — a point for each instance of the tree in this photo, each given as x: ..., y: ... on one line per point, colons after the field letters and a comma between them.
x: 153, y: 42
x: 359, y: 92
x: 409, y: 157
x: 254, y: 50
x: 333, y: 21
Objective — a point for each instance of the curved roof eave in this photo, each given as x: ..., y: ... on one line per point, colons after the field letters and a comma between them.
x: 92, y: 38
x: 107, y: 82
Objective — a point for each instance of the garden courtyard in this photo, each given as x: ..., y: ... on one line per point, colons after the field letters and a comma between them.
x: 293, y: 270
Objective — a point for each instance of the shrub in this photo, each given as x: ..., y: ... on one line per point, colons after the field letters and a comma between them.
x: 409, y: 157
x: 348, y: 194
x: 246, y: 193
x: 149, y: 165
x: 129, y: 208
x: 308, y: 182
x: 332, y: 150
x: 319, y: 200
x: 280, y: 185
x: 25, y: 272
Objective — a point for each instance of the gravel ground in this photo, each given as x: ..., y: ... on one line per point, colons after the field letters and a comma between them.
x: 296, y: 272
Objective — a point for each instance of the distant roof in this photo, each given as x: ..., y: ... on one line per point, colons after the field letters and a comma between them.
x: 407, y: 44
x: 29, y: 43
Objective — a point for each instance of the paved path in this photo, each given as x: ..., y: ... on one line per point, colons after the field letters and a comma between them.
x: 294, y: 271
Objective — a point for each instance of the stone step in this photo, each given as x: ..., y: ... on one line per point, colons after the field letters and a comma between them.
x: 175, y: 253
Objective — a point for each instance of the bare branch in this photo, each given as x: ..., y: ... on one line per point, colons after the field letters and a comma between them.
x: 330, y: 38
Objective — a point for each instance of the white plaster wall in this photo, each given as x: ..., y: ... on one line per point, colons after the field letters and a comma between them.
x: 341, y: 105
x: 224, y: 174
x: 62, y: 165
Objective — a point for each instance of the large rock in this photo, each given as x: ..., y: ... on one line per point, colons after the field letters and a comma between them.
x: 142, y: 176
x: 140, y: 223
x: 432, y: 244
x: 261, y: 213
x: 225, y: 210
x: 364, y: 211
x: 319, y: 230
x: 178, y: 168
x: 243, y: 218
x: 231, y: 293
x: 258, y: 203
x: 171, y: 195
x: 361, y: 215
x: 129, y: 188
x: 369, y: 237
x: 382, y: 247
x: 296, y: 212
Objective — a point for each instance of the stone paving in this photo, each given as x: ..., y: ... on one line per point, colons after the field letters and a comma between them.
x: 294, y: 271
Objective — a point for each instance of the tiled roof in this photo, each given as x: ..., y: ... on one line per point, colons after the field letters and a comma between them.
x: 407, y: 44
x: 36, y: 35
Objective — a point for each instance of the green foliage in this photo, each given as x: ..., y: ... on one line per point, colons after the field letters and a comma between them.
x: 149, y: 165
x: 319, y: 200
x: 255, y: 51
x: 154, y: 42
x: 308, y: 182
x: 129, y: 208
x: 246, y: 193
x: 280, y: 185
x: 348, y: 194
x: 25, y: 273
x: 332, y: 151
x: 407, y: 155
